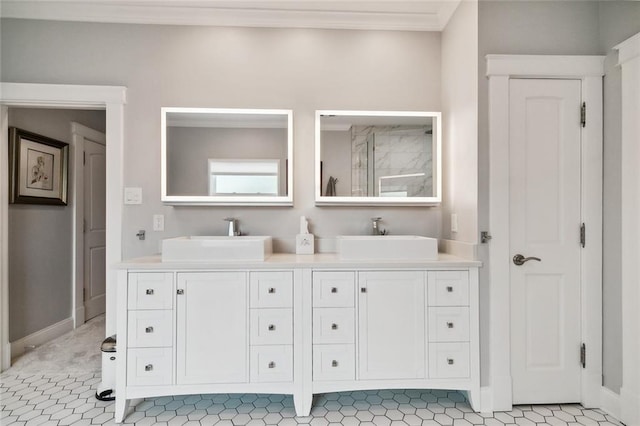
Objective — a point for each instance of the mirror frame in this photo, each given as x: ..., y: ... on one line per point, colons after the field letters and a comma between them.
x: 379, y: 201
x: 208, y: 200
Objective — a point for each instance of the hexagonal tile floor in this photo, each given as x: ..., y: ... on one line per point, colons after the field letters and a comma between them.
x: 67, y: 400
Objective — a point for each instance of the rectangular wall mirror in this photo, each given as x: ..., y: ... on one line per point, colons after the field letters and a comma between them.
x: 378, y: 158
x: 214, y: 156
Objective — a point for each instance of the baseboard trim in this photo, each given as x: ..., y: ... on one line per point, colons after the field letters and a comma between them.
x: 629, y: 407
x: 486, y: 400
x: 42, y: 336
x: 501, y: 393
x: 591, y: 388
x: 610, y: 402
x: 79, y: 317
x: 6, y: 357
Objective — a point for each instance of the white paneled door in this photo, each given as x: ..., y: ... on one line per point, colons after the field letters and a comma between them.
x: 94, y: 228
x: 544, y: 158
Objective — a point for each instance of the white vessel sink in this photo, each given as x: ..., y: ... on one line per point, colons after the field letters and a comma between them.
x: 386, y: 247
x: 213, y: 249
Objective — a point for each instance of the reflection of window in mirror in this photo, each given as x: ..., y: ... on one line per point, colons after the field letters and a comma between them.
x: 244, y: 177
x: 218, y: 156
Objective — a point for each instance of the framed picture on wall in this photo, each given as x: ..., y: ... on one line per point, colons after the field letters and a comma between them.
x: 38, y: 168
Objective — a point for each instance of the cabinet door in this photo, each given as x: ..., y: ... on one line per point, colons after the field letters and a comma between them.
x: 212, y: 338
x: 391, y: 325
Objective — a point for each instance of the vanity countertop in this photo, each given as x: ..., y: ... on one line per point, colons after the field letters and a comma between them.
x: 289, y: 261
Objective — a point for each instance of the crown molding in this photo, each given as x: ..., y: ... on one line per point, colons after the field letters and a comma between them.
x: 628, y: 49
x: 399, y: 15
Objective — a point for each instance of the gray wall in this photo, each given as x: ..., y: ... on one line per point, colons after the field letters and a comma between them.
x: 40, y: 238
x: 190, y: 148
x: 460, y: 123
x: 297, y: 69
x: 569, y: 28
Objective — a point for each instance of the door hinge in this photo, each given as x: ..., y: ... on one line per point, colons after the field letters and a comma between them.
x: 84, y: 158
x: 583, y: 355
x: 84, y: 294
x: 583, y: 235
x: 583, y: 114
x: 485, y: 237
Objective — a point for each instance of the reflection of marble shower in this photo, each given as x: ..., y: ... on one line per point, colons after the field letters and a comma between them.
x: 394, y: 151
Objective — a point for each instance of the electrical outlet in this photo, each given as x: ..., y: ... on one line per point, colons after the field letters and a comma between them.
x: 454, y: 222
x: 158, y: 222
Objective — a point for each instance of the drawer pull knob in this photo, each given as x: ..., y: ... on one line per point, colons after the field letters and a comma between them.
x: 272, y: 327
x: 334, y: 290
x: 449, y: 289
x: 271, y: 290
x: 148, y: 330
x: 450, y: 325
x: 272, y: 364
x: 334, y: 363
x: 450, y: 361
x: 149, y: 292
x: 148, y: 367
x: 180, y: 291
x: 334, y: 326
x: 363, y: 290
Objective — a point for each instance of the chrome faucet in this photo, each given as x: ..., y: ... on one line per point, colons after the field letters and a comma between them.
x: 375, y: 230
x: 234, y: 231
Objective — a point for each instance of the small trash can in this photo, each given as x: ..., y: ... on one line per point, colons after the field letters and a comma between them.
x: 105, y: 391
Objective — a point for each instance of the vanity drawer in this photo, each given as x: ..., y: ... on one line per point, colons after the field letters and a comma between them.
x: 148, y: 329
x: 448, y: 360
x: 448, y: 324
x: 271, y: 327
x: 334, y: 362
x: 270, y: 364
x: 333, y: 289
x: 149, y: 366
x: 150, y: 290
x: 271, y: 289
x: 448, y: 288
x: 333, y: 325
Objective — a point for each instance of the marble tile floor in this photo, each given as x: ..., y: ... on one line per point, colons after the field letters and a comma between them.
x: 62, y: 399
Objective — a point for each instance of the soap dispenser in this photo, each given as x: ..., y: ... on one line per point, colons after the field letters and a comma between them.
x: 305, y: 241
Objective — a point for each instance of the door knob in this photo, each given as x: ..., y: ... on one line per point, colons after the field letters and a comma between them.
x: 519, y: 259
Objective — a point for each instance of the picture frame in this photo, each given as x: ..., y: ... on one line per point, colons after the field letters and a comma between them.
x: 38, y: 169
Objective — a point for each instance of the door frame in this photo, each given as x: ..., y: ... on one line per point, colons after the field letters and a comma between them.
x: 589, y: 70
x: 629, y: 63
x: 110, y: 98
x: 78, y: 134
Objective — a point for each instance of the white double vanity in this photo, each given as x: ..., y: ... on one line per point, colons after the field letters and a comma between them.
x: 226, y: 315
x: 296, y: 325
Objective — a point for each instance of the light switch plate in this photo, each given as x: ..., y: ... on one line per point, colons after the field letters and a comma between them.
x: 133, y: 195
x: 454, y: 222
x: 158, y: 222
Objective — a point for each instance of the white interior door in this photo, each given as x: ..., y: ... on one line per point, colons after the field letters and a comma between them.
x: 94, y: 228
x: 544, y: 162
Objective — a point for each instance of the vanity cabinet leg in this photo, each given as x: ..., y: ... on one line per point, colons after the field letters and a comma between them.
x: 122, y: 405
x: 302, y: 402
x: 473, y: 395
